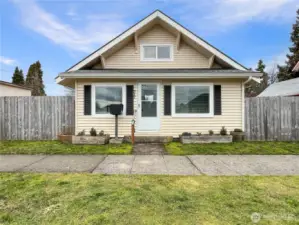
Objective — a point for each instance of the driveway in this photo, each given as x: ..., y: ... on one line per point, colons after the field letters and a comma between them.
x: 154, y: 164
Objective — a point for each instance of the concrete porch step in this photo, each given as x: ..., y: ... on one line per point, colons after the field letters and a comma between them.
x: 153, y: 139
x: 149, y: 149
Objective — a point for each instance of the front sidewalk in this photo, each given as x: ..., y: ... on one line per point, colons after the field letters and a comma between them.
x: 154, y: 164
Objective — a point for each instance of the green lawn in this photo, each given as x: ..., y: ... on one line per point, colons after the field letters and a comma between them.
x: 98, y: 199
x: 56, y: 147
x: 235, y: 148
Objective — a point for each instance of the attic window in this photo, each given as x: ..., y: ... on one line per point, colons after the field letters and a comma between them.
x: 156, y: 52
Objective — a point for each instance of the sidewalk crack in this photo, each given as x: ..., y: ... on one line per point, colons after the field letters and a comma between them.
x: 130, y: 172
x: 94, y: 168
x: 19, y: 169
x: 192, y: 163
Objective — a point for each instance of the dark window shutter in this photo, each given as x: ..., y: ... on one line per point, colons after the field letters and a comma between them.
x: 167, y: 100
x: 130, y: 100
x: 217, y: 100
x: 87, y: 99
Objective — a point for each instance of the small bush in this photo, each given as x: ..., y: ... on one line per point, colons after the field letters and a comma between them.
x: 223, y: 131
x: 93, y: 132
x: 238, y: 130
x: 81, y: 133
x: 101, y: 133
x: 198, y: 133
x: 186, y: 134
x: 211, y: 132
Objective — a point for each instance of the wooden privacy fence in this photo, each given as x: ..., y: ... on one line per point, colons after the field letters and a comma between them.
x: 272, y: 118
x: 43, y: 118
x: 35, y: 118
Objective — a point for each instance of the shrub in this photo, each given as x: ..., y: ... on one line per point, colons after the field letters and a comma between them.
x: 101, y: 133
x: 211, y: 132
x: 186, y: 134
x: 93, y: 132
x: 81, y: 133
x: 223, y: 131
x: 198, y: 133
x: 238, y: 130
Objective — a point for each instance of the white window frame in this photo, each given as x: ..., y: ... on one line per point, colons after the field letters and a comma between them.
x: 156, y: 59
x: 93, y: 97
x: 211, y: 99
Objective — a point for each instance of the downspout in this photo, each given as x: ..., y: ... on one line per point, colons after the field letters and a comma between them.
x: 243, y: 101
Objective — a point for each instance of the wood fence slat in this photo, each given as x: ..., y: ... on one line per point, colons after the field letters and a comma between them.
x: 43, y: 118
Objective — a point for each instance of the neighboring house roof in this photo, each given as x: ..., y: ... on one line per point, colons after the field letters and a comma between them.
x: 284, y: 88
x: 296, y: 68
x: 13, y: 85
x: 154, y: 16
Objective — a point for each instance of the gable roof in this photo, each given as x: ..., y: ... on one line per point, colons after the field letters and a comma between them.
x: 283, y: 88
x: 157, y: 15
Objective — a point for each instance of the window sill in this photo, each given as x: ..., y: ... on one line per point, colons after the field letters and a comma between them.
x: 107, y: 115
x: 156, y: 60
x: 193, y: 115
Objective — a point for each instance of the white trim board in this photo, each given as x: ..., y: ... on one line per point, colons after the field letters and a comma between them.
x: 145, y: 21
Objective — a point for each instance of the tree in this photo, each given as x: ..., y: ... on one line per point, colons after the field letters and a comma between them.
x: 265, y: 78
x: 253, y: 88
x: 34, y: 79
x: 285, y: 72
x: 272, y: 74
x: 18, y: 77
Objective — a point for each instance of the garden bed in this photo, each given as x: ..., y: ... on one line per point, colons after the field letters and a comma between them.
x: 197, y: 139
x: 84, y: 140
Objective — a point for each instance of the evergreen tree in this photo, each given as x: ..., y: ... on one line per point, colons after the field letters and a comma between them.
x: 253, y: 88
x: 265, y: 78
x: 18, y: 77
x: 285, y: 72
x: 34, y: 79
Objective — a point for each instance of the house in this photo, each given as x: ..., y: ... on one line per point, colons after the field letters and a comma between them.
x: 9, y: 89
x: 168, y: 79
x: 283, y: 88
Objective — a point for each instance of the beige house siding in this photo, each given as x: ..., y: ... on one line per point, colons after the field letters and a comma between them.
x: 6, y: 90
x: 173, y: 126
x: 128, y: 57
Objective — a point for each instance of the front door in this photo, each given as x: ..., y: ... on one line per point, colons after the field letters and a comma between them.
x: 148, y: 107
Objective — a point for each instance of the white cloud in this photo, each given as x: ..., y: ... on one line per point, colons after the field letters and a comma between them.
x: 274, y: 61
x: 7, y: 61
x: 220, y: 15
x: 230, y: 12
x: 71, y: 12
x: 94, y: 33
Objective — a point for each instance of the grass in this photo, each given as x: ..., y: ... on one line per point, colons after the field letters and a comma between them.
x: 56, y: 147
x: 235, y: 148
x: 98, y: 199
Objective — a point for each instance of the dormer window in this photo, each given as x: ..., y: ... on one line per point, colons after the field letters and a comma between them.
x: 154, y: 52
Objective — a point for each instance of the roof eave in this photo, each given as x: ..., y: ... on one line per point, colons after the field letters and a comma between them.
x: 205, y: 75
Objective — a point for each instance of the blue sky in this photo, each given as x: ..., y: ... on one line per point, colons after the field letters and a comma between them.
x: 59, y: 33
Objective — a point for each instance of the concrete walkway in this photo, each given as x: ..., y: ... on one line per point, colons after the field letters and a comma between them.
x: 154, y: 164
